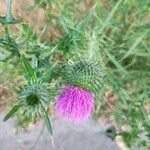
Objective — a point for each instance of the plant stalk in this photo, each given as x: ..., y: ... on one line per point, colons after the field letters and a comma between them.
x: 8, y: 11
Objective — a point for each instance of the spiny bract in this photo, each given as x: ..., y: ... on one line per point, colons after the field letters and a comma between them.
x: 34, y: 99
x: 85, y: 74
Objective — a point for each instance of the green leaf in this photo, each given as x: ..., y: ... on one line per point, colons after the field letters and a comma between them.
x: 110, y: 15
x: 47, y: 52
x: 31, y: 72
x: 115, y: 62
x: 48, y: 123
x: 11, y: 112
x: 83, y: 25
x: 135, y: 44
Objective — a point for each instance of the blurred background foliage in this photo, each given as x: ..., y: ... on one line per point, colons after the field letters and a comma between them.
x: 115, y: 32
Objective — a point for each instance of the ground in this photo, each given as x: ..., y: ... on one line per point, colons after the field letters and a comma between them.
x: 67, y: 136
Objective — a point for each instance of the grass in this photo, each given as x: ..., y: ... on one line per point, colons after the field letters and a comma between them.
x: 116, y: 33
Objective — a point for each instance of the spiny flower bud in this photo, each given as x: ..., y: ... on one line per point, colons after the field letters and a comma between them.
x: 34, y: 99
x: 75, y: 104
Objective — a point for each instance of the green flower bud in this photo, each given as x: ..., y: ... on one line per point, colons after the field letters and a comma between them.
x: 34, y: 99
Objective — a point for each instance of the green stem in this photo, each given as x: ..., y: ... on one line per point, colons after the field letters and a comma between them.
x: 8, y: 11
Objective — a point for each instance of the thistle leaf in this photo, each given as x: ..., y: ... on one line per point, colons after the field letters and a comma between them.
x: 31, y: 72
x: 11, y: 112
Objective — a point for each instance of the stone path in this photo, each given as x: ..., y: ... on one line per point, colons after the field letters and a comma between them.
x: 66, y: 137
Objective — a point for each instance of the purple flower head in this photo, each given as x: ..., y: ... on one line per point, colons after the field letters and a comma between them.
x: 75, y: 104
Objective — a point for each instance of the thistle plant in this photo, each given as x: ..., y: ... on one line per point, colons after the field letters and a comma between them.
x: 34, y: 97
x: 116, y: 33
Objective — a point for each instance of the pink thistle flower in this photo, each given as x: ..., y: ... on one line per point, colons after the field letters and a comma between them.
x: 75, y: 104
